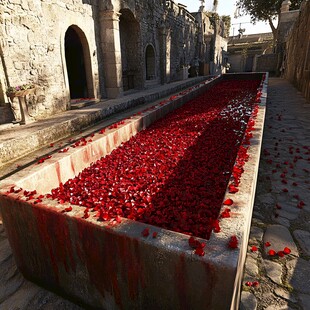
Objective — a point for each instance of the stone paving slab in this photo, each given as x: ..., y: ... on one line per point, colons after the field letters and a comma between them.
x: 248, y: 301
x: 303, y: 239
x: 298, y: 275
x: 279, y: 237
x: 273, y: 271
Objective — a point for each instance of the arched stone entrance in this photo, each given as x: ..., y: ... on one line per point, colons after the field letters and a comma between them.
x: 78, y: 64
x: 150, y: 63
x: 131, y: 51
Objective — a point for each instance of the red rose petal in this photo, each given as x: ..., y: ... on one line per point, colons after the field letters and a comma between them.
x: 199, y: 251
x: 254, y: 248
x: 145, y: 232
x: 228, y: 202
x: 225, y: 213
x: 233, y: 242
x: 272, y: 252
x: 232, y: 189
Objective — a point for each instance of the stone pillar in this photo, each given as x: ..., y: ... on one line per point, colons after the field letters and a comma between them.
x: 285, y: 6
x: 168, y: 54
x: 163, y: 52
x: 111, y: 50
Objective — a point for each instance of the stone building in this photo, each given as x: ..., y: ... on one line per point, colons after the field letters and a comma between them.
x: 245, y: 53
x: 100, y: 49
x: 261, y: 52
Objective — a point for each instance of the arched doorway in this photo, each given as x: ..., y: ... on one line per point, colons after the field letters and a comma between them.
x: 130, y: 50
x: 75, y: 60
x: 150, y: 63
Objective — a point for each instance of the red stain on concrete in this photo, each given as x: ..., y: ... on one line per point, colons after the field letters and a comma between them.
x: 211, y: 275
x: 193, y: 293
x: 39, y: 238
x: 115, y: 138
x: 181, y: 283
x: 132, y: 266
x: 72, y: 165
x: 113, y: 262
x: 54, y: 233
x: 9, y: 219
x: 86, y: 155
x: 99, y: 254
x: 57, y: 168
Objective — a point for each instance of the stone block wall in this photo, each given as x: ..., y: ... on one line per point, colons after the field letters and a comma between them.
x: 297, y: 53
x: 266, y: 63
x: 112, y: 37
x: 286, y: 22
x: 32, y: 48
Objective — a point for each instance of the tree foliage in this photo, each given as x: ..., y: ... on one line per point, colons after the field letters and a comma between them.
x: 227, y: 24
x: 264, y: 10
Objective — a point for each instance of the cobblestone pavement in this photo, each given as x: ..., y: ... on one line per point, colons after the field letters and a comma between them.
x: 279, y: 217
x: 281, y: 213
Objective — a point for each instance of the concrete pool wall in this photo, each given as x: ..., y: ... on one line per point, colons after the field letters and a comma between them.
x: 113, y: 266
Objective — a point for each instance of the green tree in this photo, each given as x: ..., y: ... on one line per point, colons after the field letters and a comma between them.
x: 265, y: 10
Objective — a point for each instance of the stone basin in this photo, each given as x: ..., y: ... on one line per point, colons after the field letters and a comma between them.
x: 106, y: 266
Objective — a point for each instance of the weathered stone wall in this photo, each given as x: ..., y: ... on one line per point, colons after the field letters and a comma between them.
x: 33, y: 34
x: 170, y: 30
x: 267, y: 63
x: 287, y: 20
x: 112, y: 37
x: 297, y: 54
x: 236, y: 62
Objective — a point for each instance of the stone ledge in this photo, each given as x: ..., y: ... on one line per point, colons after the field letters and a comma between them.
x: 67, y: 123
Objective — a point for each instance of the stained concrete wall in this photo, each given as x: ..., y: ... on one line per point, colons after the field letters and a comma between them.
x: 297, y: 53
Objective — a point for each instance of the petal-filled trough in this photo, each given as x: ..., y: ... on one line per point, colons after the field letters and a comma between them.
x: 152, y: 212
x: 173, y: 174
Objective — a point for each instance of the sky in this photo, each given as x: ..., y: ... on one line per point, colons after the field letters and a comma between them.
x: 227, y: 7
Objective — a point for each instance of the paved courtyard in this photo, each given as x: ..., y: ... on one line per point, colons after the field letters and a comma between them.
x: 281, y: 217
